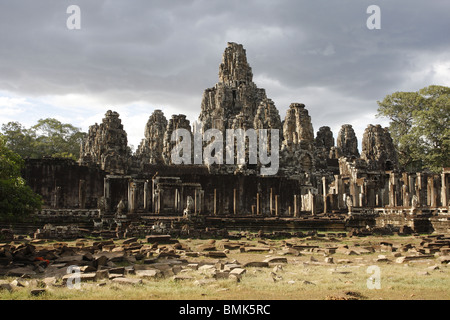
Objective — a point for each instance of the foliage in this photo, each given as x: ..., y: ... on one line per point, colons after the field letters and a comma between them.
x: 49, y: 137
x: 17, y: 199
x: 419, y: 126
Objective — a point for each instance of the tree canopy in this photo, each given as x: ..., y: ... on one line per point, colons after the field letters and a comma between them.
x: 49, y: 137
x: 17, y: 199
x: 419, y: 125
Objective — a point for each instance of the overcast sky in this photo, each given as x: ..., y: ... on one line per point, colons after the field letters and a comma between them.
x: 136, y: 56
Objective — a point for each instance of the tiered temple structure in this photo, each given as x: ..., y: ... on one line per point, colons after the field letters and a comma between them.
x: 317, y: 179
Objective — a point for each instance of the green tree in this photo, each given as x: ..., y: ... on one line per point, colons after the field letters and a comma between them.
x: 49, y: 137
x: 419, y: 126
x: 17, y: 199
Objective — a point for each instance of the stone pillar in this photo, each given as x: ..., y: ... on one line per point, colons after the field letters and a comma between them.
x: 405, y: 196
x: 257, y: 205
x: 312, y: 202
x: 82, y: 194
x: 295, y: 205
x: 177, y: 200
x: 324, y: 195
x: 419, y: 190
x: 432, y: 192
x: 277, y: 205
x: 131, y: 197
x: 392, y: 196
x: 444, y: 190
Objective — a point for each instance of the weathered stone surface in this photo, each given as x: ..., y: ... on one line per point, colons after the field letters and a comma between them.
x: 175, y: 122
x: 150, y: 150
x: 378, y: 149
x: 21, y: 272
x: 257, y: 264
x: 106, y: 145
x: 238, y: 271
x: 324, y: 147
x: 297, y: 150
x: 347, y: 143
x: 152, y: 273
x: 276, y: 260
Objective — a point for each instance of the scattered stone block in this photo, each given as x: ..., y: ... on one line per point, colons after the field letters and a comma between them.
x: 149, y: 274
x: 257, y: 264
x: 216, y: 254
x: 238, y: 271
x: 127, y: 281
x: 276, y: 260
x: 37, y: 292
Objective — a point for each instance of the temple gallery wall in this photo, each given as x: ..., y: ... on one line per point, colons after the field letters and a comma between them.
x: 318, y: 177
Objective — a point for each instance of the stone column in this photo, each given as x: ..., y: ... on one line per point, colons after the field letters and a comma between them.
x: 277, y: 205
x: 444, y: 190
x: 257, y: 205
x: 295, y: 205
x: 432, y: 193
x: 132, y: 197
x: 324, y: 195
x: 312, y: 203
x: 392, y: 202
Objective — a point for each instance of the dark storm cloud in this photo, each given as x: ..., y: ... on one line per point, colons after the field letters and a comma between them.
x: 168, y: 52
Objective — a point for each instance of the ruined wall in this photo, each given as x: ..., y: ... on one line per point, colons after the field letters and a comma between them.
x: 63, y: 183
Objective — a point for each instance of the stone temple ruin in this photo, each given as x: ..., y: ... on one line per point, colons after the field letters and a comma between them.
x: 321, y: 183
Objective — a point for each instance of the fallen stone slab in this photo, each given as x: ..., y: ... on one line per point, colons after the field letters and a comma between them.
x: 411, y: 258
x: 37, y: 292
x: 216, y: 254
x: 276, y: 260
x: 4, y: 285
x: 257, y: 264
x: 238, y: 271
x: 21, y: 272
x: 444, y: 259
x: 207, y: 247
x: 256, y: 249
x: 221, y: 274
x: 182, y: 277
x: 131, y: 240
x: 149, y: 274
x: 160, y: 239
x: 127, y: 281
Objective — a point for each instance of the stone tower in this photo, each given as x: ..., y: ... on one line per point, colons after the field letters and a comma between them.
x: 107, y: 145
x: 298, y: 144
x: 347, y: 143
x: 378, y: 149
x: 233, y: 102
x: 150, y: 151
